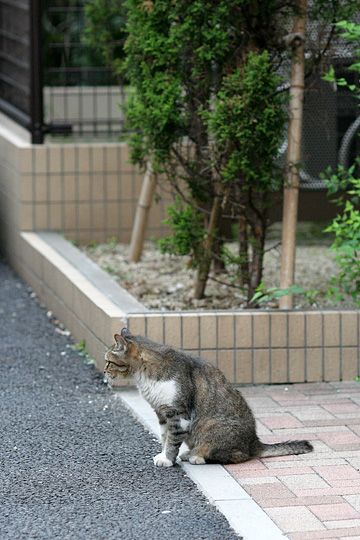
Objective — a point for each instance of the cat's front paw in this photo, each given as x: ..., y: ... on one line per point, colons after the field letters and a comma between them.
x: 197, y: 460
x: 160, y: 460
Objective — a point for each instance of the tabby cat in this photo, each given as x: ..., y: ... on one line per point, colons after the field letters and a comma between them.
x: 194, y: 403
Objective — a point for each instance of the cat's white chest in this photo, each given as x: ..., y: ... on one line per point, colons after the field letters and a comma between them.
x: 157, y: 393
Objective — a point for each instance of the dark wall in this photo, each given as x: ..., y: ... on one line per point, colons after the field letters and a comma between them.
x: 313, y: 206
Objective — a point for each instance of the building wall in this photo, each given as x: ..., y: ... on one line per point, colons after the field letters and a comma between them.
x: 86, y: 191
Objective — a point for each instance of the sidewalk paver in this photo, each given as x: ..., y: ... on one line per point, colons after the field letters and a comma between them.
x: 314, y: 495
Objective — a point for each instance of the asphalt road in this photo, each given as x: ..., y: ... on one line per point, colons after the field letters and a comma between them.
x: 74, y: 463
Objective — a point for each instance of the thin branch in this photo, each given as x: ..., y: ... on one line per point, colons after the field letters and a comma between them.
x: 226, y: 283
x: 275, y: 246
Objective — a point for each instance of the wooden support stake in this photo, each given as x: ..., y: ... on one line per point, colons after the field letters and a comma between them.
x: 142, y: 214
x: 292, y: 181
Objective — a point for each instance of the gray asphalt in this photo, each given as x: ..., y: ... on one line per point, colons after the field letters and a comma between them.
x: 74, y: 462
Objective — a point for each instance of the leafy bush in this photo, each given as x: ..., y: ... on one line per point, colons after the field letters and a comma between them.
x: 346, y: 228
x: 188, y: 232
x: 344, y: 187
x: 207, y: 114
x: 105, y: 31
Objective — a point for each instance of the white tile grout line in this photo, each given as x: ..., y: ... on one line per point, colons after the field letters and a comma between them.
x: 244, y: 515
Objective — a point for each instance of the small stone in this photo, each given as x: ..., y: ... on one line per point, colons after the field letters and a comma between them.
x: 173, y: 288
x: 165, y: 282
x: 62, y: 332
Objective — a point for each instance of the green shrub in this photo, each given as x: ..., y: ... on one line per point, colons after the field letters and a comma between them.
x: 188, y: 232
x: 105, y: 31
x: 346, y: 230
x: 206, y: 112
x: 344, y: 188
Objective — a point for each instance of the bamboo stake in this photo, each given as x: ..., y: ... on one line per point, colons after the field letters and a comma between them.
x: 142, y: 214
x: 292, y: 181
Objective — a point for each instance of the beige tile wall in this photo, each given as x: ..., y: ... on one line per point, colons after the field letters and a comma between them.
x: 88, y: 192
x: 85, y: 103
x: 88, y: 313
x: 10, y: 208
x: 263, y: 347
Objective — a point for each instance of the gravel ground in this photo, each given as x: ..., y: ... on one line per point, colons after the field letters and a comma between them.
x: 162, y: 281
x: 74, y: 463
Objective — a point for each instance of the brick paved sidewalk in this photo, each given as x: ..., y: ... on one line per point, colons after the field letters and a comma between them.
x: 315, y: 495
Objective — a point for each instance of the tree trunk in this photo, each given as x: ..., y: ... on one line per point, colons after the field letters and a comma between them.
x: 142, y: 213
x: 205, y: 263
x: 244, y: 280
x: 292, y: 181
x: 218, y: 264
x: 257, y: 259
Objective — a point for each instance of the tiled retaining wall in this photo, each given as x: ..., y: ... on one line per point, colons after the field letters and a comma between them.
x: 248, y: 346
x: 84, y: 106
x: 76, y: 301
x: 88, y: 192
x: 264, y: 347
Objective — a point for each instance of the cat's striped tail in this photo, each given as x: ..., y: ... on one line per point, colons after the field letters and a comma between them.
x: 284, y: 448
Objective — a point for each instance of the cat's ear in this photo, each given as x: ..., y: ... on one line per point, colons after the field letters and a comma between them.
x: 119, y: 340
x: 125, y: 340
x: 125, y: 334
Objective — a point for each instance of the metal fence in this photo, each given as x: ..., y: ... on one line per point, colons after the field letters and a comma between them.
x: 20, y: 64
x: 78, y: 88
x: 330, y: 114
x: 51, y: 82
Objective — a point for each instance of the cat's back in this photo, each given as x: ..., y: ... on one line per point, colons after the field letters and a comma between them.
x: 210, y: 391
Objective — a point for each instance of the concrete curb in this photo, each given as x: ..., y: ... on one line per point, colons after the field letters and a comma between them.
x: 244, y: 515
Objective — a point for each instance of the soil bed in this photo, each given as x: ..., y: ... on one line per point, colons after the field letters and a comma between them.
x: 164, y: 282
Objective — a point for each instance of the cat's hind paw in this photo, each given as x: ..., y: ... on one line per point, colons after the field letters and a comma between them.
x: 160, y: 460
x: 197, y: 460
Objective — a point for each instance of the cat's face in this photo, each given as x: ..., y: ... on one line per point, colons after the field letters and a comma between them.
x: 122, y: 359
x: 116, y: 364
